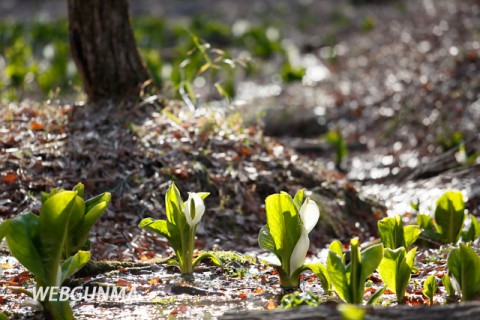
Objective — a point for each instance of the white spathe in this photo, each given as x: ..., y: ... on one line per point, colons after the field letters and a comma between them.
x: 195, y: 201
x: 309, y: 214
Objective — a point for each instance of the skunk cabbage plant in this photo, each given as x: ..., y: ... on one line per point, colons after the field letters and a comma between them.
x: 47, y: 245
x: 396, y: 269
x: 289, y: 221
x: 464, y: 265
x: 181, y: 226
x: 394, y: 235
x: 348, y: 280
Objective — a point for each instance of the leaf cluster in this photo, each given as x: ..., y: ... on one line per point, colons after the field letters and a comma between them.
x: 48, y: 245
x: 449, y: 220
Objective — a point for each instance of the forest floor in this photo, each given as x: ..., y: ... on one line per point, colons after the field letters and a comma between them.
x: 401, y: 83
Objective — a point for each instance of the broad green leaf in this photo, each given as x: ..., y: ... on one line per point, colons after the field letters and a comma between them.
x: 337, y: 274
x: 410, y: 257
x: 46, y: 195
x: 411, y: 234
x: 76, y: 217
x: 166, y: 229
x: 321, y: 271
x: 53, y: 226
x: 74, y: 263
x: 391, y: 232
x: 299, y: 198
x: 448, y: 286
x: 207, y: 255
x: 454, y: 264
x: 429, y: 288
x: 3, y: 316
x: 450, y: 215
x: 80, y: 235
x: 395, y: 269
x: 464, y: 264
x: 23, y: 242
x: 336, y: 246
x: 284, y: 225
x: 265, y: 240
x: 371, y: 258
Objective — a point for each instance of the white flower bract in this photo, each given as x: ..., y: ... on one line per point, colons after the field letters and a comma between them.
x: 309, y: 214
x: 194, y: 202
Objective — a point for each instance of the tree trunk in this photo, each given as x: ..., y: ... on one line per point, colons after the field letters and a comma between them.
x: 103, y: 48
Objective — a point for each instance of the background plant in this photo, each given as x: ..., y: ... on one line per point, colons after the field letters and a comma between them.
x: 464, y: 265
x: 429, y: 288
x: 394, y: 235
x: 181, y: 226
x: 348, y: 280
x: 449, y: 219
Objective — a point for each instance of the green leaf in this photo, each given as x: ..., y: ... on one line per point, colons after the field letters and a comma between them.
x: 80, y: 189
x: 299, y: 198
x: 53, y: 225
x: 371, y: 258
x: 473, y: 231
x: 203, y: 195
x: 59, y: 310
x: 173, y: 206
x: 353, y: 272
x: 411, y: 234
x: 395, y: 270
x: 3, y: 316
x: 337, y: 274
x: 80, y: 235
x: 391, y: 232
x: 376, y: 296
x: 74, y: 263
x: 92, y: 202
x: 265, y: 240
x: 464, y: 263
x: 448, y: 286
x: 166, y: 229
x: 450, y: 215
x: 207, y: 255
x: 425, y: 222
x: 77, y: 213
x: 284, y: 225
x: 23, y: 242
x: 321, y: 271
x: 429, y: 288
x: 336, y: 246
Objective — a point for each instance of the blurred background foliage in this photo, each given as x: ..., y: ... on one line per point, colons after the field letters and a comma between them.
x: 35, y: 60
